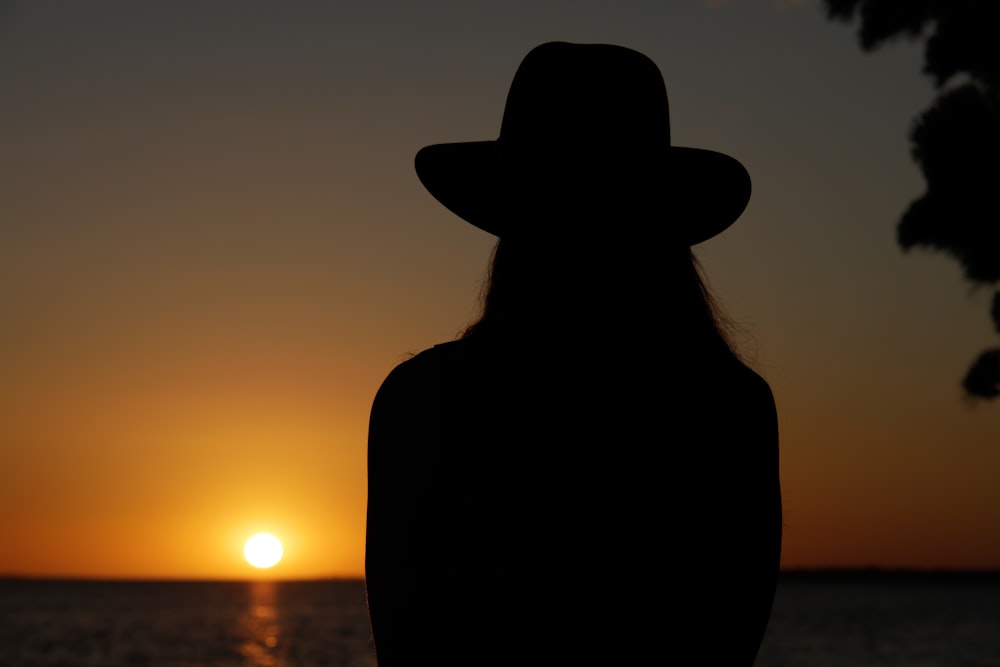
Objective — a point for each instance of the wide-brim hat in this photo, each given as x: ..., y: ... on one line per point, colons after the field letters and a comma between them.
x: 586, y: 129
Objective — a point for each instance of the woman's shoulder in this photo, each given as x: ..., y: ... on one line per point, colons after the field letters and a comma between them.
x: 754, y: 384
x: 732, y: 378
x: 418, y: 378
x: 734, y: 403
x: 752, y: 409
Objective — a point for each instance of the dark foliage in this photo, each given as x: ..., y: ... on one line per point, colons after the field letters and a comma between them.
x: 956, y: 142
x: 963, y: 39
x: 983, y: 378
x: 995, y: 311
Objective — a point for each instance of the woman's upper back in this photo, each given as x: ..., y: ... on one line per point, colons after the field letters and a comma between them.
x: 561, y: 497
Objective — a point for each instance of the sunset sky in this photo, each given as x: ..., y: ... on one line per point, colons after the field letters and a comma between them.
x: 213, y: 247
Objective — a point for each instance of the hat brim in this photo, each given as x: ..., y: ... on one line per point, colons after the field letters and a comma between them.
x: 702, y: 192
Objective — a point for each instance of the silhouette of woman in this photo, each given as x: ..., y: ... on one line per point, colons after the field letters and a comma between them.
x: 589, y: 475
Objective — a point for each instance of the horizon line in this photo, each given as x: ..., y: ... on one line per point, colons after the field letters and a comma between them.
x: 785, y: 572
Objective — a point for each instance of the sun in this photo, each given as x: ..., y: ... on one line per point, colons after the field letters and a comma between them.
x: 263, y: 550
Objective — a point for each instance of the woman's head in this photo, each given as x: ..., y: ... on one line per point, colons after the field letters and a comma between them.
x: 595, y: 208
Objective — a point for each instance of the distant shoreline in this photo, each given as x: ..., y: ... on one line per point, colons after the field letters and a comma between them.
x: 879, y: 574
x: 789, y: 575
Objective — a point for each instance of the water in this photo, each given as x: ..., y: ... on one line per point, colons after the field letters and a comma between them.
x: 866, y: 621
x: 884, y: 620
x: 162, y: 624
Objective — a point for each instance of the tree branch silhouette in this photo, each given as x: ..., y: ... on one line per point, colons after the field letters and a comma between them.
x: 955, y: 142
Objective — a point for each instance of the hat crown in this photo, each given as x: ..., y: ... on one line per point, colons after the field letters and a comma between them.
x: 580, y: 100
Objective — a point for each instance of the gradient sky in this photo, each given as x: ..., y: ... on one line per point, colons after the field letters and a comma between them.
x: 213, y: 248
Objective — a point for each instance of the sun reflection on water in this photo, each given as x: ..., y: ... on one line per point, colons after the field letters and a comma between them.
x: 261, y: 628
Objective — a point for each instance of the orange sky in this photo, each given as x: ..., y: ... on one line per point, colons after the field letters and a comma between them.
x: 214, y: 248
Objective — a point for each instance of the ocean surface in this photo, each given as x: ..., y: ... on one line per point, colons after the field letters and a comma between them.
x: 828, y: 620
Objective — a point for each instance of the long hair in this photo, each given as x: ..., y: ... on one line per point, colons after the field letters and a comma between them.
x: 583, y: 290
